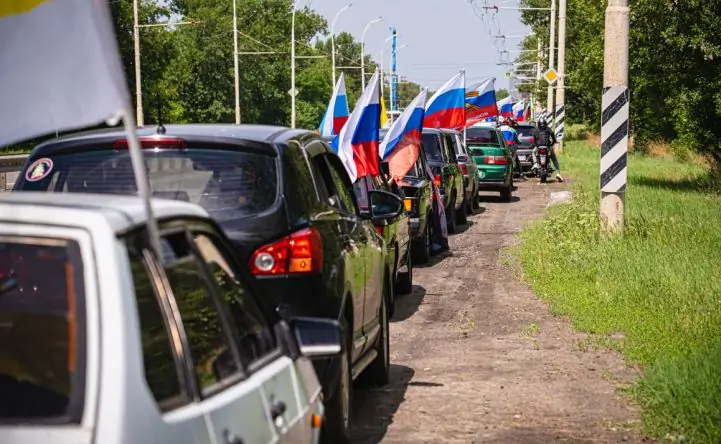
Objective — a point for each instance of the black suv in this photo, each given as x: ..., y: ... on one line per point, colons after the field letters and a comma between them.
x: 524, y: 149
x: 283, y: 197
x: 441, y: 157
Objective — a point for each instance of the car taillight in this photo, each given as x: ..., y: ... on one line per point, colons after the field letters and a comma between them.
x: 301, y: 252
x: 152, y: 142
x: 408, y: 203
x: 542, y: 151
x: 495, y: 160
x: 531, y: 139
x: 379, y: 230
x: 464, y: 168
x: 437, y: 180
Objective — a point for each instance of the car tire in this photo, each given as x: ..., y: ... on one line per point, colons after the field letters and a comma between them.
x: 404, y: 285
x: 379, y: 371
x: 507, y: 193
x: 451, y: 217
x: 421, y: 248
x: 476, y: 202
x: 462, y: 213
x: 339, y: 408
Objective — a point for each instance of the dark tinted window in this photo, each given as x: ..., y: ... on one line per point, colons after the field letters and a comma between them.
x: 360, y: 189
x: 255, y: 340
x: 229, y: 184
x: 209, y: 342
x: 161, y: 372
x: 431, y: 143
x: 341, y: 183
x: 42, y: 327
x: 482, y: 135
x: 524, y: 131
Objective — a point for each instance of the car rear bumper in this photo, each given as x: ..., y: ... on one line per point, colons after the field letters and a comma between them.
x: 492, y: 185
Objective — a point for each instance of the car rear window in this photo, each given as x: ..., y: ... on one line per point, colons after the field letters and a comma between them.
x: 524, y: 131
x: 41, y: 330
x: 228, y: 184
x: 432, y: 147
x: 481, y: 136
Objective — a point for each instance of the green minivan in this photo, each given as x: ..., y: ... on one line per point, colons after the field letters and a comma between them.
x: 494, y: 159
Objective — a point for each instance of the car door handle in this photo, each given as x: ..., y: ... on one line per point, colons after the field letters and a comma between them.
x: 230, y: 438
x: 277, y: 409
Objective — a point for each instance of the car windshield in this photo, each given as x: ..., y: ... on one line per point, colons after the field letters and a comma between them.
x: 41, y: 330
x: 524, y: 131
x: 432, y: 147
x: 481, y: 136
x: 228, y: 184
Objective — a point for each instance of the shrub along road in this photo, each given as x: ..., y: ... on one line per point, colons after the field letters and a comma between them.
x: 477, y: 357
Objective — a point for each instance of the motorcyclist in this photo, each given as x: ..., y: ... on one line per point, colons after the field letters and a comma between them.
x: 543, y: 136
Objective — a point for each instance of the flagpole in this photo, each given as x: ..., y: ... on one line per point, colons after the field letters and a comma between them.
x: 465, y: 143
x: 141, y: 180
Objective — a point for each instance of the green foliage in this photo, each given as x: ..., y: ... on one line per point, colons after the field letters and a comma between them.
x: 656, y: 287
x: 501, y: 93
x: 575, y: 132
x: 674, y: 72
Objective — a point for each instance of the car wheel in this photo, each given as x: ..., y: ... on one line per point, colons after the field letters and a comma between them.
x: 506, y: 193
x: 338, y: 409
x: 476, y: 202
x: 451, y: 217
x: 405, y: 281
x: 421, y: 248
x: 378, y: 373
x: 462, y: 214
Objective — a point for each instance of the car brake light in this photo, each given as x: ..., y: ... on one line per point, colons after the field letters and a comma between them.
x: 437, y: 180
x: 301, y: 252
x: 531, y: 139
x: 464, y: 168
x: 379, y: 230
x: 495, y: 160
x: 152, y: 142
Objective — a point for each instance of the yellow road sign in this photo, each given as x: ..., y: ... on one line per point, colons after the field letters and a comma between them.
x: 551, y: 76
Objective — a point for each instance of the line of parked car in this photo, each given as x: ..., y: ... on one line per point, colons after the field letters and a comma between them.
x: 286, y: 261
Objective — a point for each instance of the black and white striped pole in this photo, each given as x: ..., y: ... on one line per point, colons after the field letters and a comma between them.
x: 614, y: 117
x: 560, y: 110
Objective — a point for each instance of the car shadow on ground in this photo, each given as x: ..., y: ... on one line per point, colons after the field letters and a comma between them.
x: 374, y: 408
x: 494, y: 198
x: 436, y: 259
x: 460, y: 229
x: 480, y: 210
x: 407, y: 304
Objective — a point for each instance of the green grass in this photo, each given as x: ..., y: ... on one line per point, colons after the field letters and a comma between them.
x: 658, y: 287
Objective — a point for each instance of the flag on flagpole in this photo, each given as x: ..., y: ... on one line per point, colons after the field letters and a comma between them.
x: 481, y: 101
x: 505, y: 107
x: 402, y: 143
x: 357, y: 143
x: 336, y: 115
x: 447, y: 107
x: 384, y: 113
x: 60, y: 70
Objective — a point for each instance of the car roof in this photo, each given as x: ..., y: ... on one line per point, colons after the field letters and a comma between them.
x: 267, y: 134
x: 121, y: 213
x: 431, y: 131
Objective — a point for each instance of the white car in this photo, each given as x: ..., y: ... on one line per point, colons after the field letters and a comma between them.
x: 103, y: 342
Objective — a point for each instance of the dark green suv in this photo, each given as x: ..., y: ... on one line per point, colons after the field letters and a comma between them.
x: 494, y: 160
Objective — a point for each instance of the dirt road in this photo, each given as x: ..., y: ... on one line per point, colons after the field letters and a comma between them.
x: 477, y: 358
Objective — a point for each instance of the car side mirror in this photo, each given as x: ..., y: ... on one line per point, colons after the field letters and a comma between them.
x: 318, y: 338
x: 384, y: 205
x: 462, y: 158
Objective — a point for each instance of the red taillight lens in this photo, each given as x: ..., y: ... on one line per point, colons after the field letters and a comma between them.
x: 464, y: 168
x: 437, y: 180
x: 542, y: 151
x: 301, y: 252
x: 379, y: 230
x: 495, y: 160
x: 152, y: 142
x: 531, y: 139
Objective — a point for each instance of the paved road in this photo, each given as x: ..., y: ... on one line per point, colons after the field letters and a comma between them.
x: 477, y: 358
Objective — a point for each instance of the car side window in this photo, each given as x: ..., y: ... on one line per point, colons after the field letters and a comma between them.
x: 254, y: 337
x: 324, y: 181
x: 342, y: 183
x: 450, y: 148
x: 161, y: 372
x: 208, y: 339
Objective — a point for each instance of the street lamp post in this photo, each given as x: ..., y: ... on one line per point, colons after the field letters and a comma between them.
x: 383, y: 49
x: 332, y: 36
x: 236, y: 79
x: 363, y: 45
x: 138, y: 89
x: 292, y: 68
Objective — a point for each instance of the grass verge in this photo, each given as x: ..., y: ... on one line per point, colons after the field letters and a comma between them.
x: 657, y: 287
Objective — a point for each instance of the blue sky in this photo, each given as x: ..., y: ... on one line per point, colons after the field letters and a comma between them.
x: 444, y: 36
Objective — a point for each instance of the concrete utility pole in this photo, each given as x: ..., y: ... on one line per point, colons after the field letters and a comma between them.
x: 292, y: 91
x: 614, y: 117
x: 138, y: 83
x: 560, y: 88
x: 551, y: 61
x: 236, y: 77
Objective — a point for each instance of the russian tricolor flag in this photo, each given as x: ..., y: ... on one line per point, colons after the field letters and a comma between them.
x: 518, y: 109
x: 481, y: 101
x: 357, y: 143
x: 505, y: 107
x: 402, y: 143
x: 447, y: 107
x: 337, y: 113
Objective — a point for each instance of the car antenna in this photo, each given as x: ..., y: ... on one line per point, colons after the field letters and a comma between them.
x: 161, y: 127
